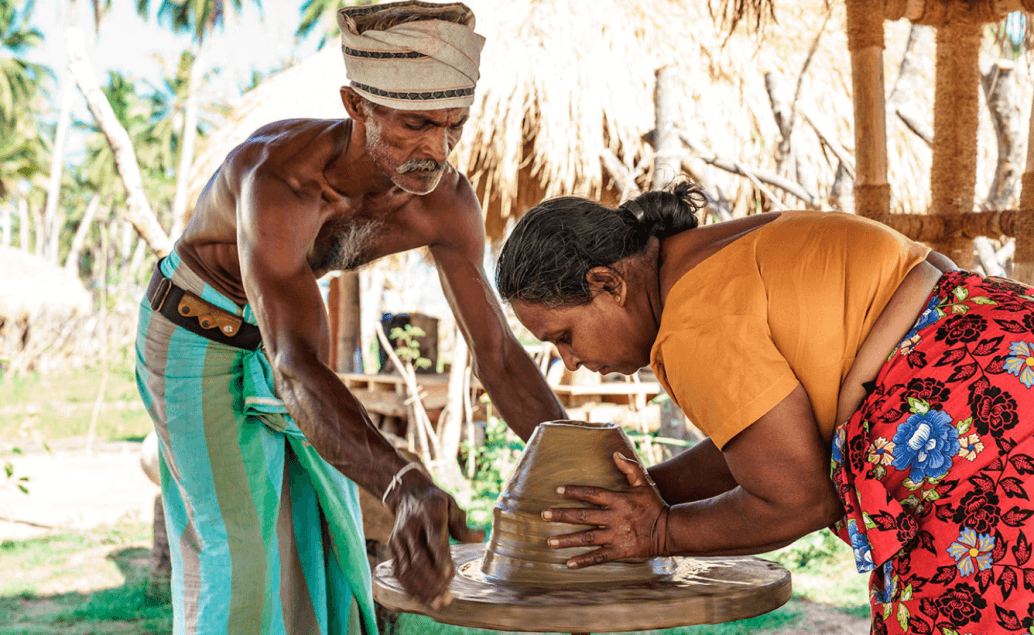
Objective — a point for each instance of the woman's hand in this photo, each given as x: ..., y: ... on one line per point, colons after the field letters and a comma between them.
x: 632, y: 525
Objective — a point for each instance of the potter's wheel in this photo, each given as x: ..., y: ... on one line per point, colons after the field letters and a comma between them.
x: 696, y: 591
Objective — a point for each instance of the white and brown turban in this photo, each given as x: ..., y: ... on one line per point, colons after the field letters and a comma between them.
x: 428, y: 59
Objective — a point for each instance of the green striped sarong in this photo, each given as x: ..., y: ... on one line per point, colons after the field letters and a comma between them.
x: 266, y: 537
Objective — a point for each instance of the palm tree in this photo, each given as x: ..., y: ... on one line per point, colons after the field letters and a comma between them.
x: 52, y: 219
x: 22, y: 150
x: 19, y: 78
x: 323, y: 12
x: 200, y: 18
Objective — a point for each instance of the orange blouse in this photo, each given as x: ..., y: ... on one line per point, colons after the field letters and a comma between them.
x: 791, y: 302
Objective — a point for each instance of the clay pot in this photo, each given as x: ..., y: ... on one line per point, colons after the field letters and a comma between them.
x: 559, y: 453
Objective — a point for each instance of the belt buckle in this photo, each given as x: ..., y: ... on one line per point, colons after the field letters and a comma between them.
x: 160, y: 294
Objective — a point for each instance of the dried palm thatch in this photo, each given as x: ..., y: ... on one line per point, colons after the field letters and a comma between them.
x: 562, y: 86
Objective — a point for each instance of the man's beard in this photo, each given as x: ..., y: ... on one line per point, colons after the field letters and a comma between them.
x: 376, y: 148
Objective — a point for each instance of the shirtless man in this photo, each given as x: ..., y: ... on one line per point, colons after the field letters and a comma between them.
x: 241, y: 426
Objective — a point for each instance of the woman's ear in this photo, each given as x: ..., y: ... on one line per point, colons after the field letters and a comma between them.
x: 607, y: 280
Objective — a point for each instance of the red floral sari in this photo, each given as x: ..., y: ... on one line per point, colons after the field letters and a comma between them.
x: 935, y: 468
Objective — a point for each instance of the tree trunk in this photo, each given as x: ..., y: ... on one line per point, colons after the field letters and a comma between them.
x: 23, y: 224
x: 72, y: 261
x: 1002, y: 97
x: 6, y: 222
x: 450, y: 426
x: 161, y: 559
x: 900, y: 102
x: 139, y: 209
x: 372, y: 281
x: 667, y: 148
x: 38, y: 233
x: 188, y: 139
x: 51, y: 226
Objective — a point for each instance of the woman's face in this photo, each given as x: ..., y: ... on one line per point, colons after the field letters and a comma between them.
x: 603, y: 335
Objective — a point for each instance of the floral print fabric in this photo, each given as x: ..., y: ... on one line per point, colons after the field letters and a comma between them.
x: 936, y: 468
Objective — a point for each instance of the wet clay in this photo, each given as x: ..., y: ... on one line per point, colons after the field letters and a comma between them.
x: 516, y: 582
x: 559, y: 453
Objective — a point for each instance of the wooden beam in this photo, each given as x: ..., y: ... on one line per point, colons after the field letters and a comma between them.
x: 866, y: 43
x: 932, y: 227
x: 953, y: 169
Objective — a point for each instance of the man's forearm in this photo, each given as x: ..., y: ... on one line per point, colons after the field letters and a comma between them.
x: 337, y: 425
x: 520, y: 393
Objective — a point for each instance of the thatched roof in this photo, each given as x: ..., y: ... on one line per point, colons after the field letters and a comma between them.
x: 29, y: 285
x: 563, y: 81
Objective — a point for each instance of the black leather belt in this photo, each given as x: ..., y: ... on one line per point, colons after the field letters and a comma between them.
x: 186, y: 309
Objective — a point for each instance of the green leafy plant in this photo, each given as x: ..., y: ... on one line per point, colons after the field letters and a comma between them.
x: 406, y: 339
x: 12, y: 479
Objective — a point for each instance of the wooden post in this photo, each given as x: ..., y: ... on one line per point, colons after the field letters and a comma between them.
x: 865, y: 40
x: 955, y: 121
x: 667, y: 161
x: 1023, y: 263
x: 343, y: 310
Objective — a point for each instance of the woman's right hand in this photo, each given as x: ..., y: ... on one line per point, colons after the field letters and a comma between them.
x: 631, y: 525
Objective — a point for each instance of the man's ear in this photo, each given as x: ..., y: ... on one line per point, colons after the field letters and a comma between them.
x: 353, y: 102
x: 606, y: 280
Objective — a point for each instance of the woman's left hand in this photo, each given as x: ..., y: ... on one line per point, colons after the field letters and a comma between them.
x: 631, y: 525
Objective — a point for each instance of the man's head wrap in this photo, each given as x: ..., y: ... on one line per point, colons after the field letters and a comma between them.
x: 426, y: 60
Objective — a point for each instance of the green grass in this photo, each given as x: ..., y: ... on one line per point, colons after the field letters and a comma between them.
x: 823, y: 571
x: 43, y: 409
x: 113, y: 559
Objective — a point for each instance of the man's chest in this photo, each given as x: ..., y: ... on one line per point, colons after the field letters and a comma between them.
x: 350, y: 243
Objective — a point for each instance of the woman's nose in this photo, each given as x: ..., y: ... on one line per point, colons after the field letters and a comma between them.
x: 567, y: 355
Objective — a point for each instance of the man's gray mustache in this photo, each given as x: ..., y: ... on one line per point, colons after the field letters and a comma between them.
x: 421, y: 165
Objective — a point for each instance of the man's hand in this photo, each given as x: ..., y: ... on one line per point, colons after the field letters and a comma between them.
x: 632, y: 525
x: 425, y: 518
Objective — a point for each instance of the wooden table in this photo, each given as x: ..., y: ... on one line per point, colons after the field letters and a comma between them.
x: 607, y: 392
x: 385, y: 394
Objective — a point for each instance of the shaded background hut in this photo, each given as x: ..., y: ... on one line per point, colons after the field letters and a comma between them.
x: 569, y: 101
x: 565, y: 92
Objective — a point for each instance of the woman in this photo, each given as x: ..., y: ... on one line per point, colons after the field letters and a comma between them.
x: 790, y: 339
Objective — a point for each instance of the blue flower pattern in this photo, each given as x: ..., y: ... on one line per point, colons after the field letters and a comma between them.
x: 861, y: 547
x: 926, y: 318
x: 925, y: 444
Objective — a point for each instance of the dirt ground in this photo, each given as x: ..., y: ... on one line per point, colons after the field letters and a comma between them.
x: 72, y: 489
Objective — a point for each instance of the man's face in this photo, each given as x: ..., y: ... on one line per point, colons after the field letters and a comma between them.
x: 411, y: 146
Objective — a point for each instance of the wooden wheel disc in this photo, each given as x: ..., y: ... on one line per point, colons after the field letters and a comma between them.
x: 700, y: 591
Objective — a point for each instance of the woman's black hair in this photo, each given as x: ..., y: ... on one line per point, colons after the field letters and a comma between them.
x: 547, y: 256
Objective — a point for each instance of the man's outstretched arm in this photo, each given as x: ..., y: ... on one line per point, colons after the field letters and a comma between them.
x: 513, y: 381
x: 276, y: 226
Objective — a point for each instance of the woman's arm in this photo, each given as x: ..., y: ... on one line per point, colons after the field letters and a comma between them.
x: 695, y: 474
x: 942, y: 262
x: 781, y: 465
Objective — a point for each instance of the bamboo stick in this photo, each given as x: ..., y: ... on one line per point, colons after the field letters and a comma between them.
x: 1023, y: 262
x: 955, y: 123
x: 865, y: 40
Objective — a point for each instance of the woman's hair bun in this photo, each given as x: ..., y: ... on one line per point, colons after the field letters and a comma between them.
x: 671, y: 210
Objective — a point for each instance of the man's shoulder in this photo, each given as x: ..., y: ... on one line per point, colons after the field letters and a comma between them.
x: 289, y: 142
x: 454, y: 192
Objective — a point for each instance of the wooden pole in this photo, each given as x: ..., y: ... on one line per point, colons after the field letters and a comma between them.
x: 865, y: 41
x: 343, y: 312
x: 955, y: 121
x: 667, y: 163
x: 1023, y: 263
